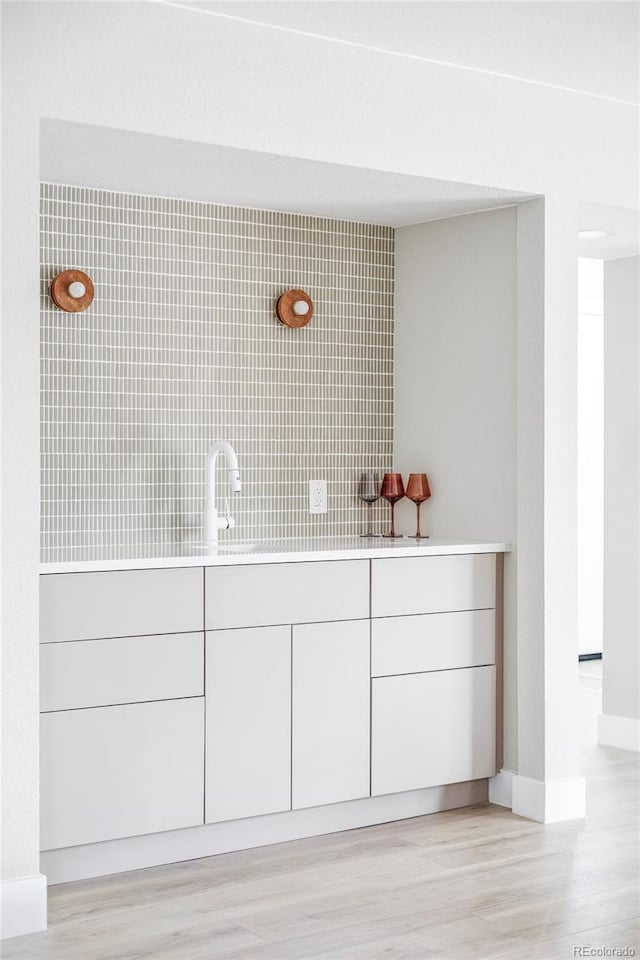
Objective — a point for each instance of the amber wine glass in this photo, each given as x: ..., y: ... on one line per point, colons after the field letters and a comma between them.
x: 369, y: 492
x: 418, y: 491
x: 392, y: 491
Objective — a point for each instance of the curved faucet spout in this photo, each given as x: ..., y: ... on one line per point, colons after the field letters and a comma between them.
x: 221, y: 446
x: 212, y: 523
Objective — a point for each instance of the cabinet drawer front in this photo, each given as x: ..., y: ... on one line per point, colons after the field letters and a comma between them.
x: 248, y: 722
x: 432, y: 641
x: 94, y: 673
x: 121, y: 771
x: 275, y: 593
x: 432, y: 728
x: 124, y: 603
x: 406, y: 585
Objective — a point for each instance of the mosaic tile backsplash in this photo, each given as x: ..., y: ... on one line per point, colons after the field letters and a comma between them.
x: 181, y: 347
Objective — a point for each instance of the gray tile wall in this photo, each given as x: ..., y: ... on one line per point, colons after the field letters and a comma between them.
x: 181, y: 347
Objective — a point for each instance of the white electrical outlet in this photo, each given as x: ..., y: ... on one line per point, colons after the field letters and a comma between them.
x: 317, y: 496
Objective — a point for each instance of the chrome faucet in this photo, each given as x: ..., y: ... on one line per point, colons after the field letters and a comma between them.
x: 212, y: 521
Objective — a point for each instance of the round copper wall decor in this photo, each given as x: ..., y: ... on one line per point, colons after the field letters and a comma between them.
x: 286, y: 308
x: 63, y: 298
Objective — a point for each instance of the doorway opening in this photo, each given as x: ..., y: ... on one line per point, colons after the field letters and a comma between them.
x: 590, y: 489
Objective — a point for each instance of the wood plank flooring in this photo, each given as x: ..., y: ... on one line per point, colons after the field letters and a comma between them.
x: 472, y: 883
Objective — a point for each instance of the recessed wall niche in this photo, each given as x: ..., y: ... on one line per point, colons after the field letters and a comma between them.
x: 181, y: 347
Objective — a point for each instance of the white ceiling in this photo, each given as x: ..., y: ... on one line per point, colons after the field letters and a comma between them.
x: 92, y: 156
x: 587, y: 46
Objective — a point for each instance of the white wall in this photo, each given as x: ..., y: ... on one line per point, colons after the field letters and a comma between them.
x: 620, y: 721
x: 170, y: 72
x: 455, y: 371
x: 590, y: 454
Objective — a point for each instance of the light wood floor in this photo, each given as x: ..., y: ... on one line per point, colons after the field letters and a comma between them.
x: 473, y: 883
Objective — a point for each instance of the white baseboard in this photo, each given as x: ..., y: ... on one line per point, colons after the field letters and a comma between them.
x: 501, y: 788
x: 549, y: 801
x: 620, y: 732
x: 134, y: 853
x: 23, y: 906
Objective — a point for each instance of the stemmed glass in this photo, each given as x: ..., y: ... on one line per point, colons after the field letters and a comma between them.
x: 418, y: 491
x: 392, y: 491
x: 369, y: 491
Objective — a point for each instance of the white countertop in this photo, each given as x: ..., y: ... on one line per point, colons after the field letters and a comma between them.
x: 275, y: 551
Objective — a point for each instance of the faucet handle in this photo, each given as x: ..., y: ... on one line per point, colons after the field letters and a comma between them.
x: 228, y: 522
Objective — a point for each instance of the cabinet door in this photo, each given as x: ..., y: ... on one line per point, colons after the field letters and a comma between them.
x: 248, y: 696
x: 433, y: 728
x: 121, y: 771
x: 331, y: 684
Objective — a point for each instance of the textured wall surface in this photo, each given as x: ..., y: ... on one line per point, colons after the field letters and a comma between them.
x: 180, y: 347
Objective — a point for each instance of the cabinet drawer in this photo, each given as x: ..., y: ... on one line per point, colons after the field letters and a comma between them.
x: 124, y: 603
x: 93, y: 673
x: 432, y: 641
x: 121, y: 771
x: 406, y: 585
x: 429, y: 729
x: 275, y: 593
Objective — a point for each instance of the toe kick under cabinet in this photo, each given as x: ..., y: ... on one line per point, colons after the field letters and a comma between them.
x: 180, y: 697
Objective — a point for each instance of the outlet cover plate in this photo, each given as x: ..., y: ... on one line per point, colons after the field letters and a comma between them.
x: 317, y: 496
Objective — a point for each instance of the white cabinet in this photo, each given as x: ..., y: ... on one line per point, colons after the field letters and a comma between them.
x: 120, y: 771
x: 273, y: 593
x: 331, y: 685
x: 95, y: 673
x: 409, y: 585
x: 432, y: 641
x: 322, y: 684
x: 248, y: 752
x: 432, y: 728
x: 120, y: 603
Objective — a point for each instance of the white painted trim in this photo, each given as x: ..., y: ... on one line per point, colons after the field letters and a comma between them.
x: 551, y: 801
x: 501, y: 788
x: 23, y: 906
x: 620, y: 732
x: 135, y: 853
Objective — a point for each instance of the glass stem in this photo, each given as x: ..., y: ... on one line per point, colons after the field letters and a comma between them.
x: 393, y: 510
x: 369, y: 524
x: 418, y: 534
